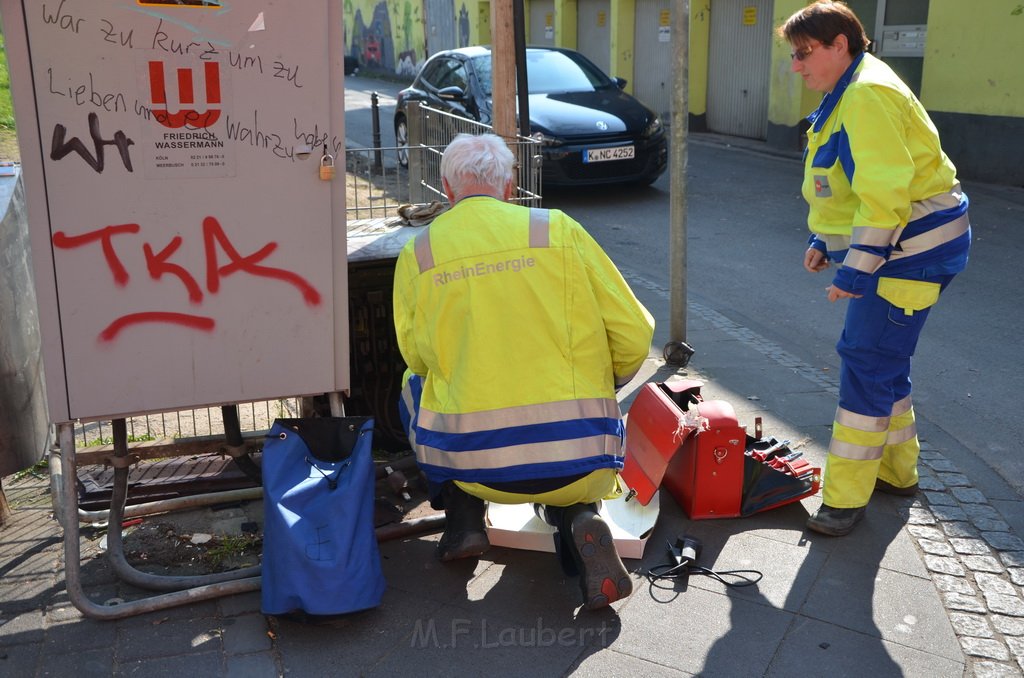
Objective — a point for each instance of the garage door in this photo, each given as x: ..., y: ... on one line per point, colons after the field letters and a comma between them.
x: 592, y: 32
x: 739, y: 62
x: 542, y: 22
x: 652, y: 70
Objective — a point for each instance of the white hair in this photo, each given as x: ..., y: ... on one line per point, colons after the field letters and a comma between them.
x: 484, y: 159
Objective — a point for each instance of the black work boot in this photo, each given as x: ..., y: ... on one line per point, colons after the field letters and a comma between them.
x: 566, y: 552
x: 603, y: 577
x: 465, y: 535
x: 889, y: 488
x: 835, y: 522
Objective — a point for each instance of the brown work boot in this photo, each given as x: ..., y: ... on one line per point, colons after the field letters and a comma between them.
x: 465, y: 534
x: 835, y: 522
x: 603, y: 577
x: 889, y: 488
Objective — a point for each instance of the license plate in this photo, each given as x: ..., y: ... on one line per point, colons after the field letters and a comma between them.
x: 605, y: 154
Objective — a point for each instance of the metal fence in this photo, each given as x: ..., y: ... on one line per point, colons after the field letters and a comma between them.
x: 379, y: 180
x: 183, y: 424
x: 430, y: 132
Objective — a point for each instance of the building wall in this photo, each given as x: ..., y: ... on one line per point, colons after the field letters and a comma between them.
x: 972, y: 82
x: 975, y: 67
x: 623, y: 35
x: 973, y: 86
x: 700, y: 37
x: 789, y: 102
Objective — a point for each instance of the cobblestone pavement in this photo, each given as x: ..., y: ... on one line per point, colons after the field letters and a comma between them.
x: 975, y: 561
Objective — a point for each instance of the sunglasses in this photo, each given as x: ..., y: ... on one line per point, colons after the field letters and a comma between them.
x: 802, y: 54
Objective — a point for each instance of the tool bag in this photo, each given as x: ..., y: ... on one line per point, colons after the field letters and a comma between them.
x: 704, y: 458
x: 320, y: 551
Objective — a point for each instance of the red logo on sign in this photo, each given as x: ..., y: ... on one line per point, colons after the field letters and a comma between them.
x: 186, y: 95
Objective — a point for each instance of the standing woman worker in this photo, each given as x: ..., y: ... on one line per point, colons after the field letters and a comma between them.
x: 886, y: 208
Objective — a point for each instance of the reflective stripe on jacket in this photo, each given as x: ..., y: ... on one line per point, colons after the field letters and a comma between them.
x: 881, y: 191
x: 520, y: 329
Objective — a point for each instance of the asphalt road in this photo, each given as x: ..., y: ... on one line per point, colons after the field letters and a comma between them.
x: 746, y: 234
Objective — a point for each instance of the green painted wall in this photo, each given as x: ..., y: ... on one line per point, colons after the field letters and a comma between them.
x: 974, y: 59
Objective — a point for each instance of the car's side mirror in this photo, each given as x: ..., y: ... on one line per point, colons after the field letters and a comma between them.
x: 621, y: 82
x: 452, y: 93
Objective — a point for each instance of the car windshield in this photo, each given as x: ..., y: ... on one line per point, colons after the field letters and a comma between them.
x: 548, y: 72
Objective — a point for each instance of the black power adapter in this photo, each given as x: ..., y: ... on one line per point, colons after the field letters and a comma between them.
x: 685, y: 551
x: 683, y: 555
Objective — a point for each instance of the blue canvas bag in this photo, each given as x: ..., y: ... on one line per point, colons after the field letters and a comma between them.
x: 320, y: 551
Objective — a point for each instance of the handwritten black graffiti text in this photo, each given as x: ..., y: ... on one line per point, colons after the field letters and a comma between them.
x: 82, y: 94
x: 63, y: 20
x: 59, y: 148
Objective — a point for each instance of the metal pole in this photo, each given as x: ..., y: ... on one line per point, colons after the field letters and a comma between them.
x: 417, y: 155
x: 677, y: 351
x: 375, y: 116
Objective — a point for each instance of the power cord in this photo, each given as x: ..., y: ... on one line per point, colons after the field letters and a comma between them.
x: 684, y: 554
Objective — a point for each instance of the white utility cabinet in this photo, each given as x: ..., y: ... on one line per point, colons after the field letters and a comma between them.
x: 186, y: 250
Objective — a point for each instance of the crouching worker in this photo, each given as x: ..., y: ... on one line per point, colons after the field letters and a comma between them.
x: 517, y: 329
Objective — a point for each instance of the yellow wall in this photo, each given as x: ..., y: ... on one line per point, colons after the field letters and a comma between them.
x: 623, y: 35
x: 482, y: 29
x: 700, y: 38
x: 789, y: 101
x: 565, y: 23
x: 975, y: 65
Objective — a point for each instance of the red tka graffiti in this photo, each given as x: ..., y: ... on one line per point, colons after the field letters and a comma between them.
x: 186, y: 96
x: 222, y: 260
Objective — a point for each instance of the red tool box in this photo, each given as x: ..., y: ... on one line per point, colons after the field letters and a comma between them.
x: 705, y: 459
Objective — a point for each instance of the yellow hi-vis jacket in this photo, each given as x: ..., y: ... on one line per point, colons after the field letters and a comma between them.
x: 517, y: 329
x: 879, y: 187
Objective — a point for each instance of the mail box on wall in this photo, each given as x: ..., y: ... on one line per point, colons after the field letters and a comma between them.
x: 186, y: 250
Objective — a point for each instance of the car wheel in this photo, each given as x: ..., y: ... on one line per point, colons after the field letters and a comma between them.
x: 402, y: 140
